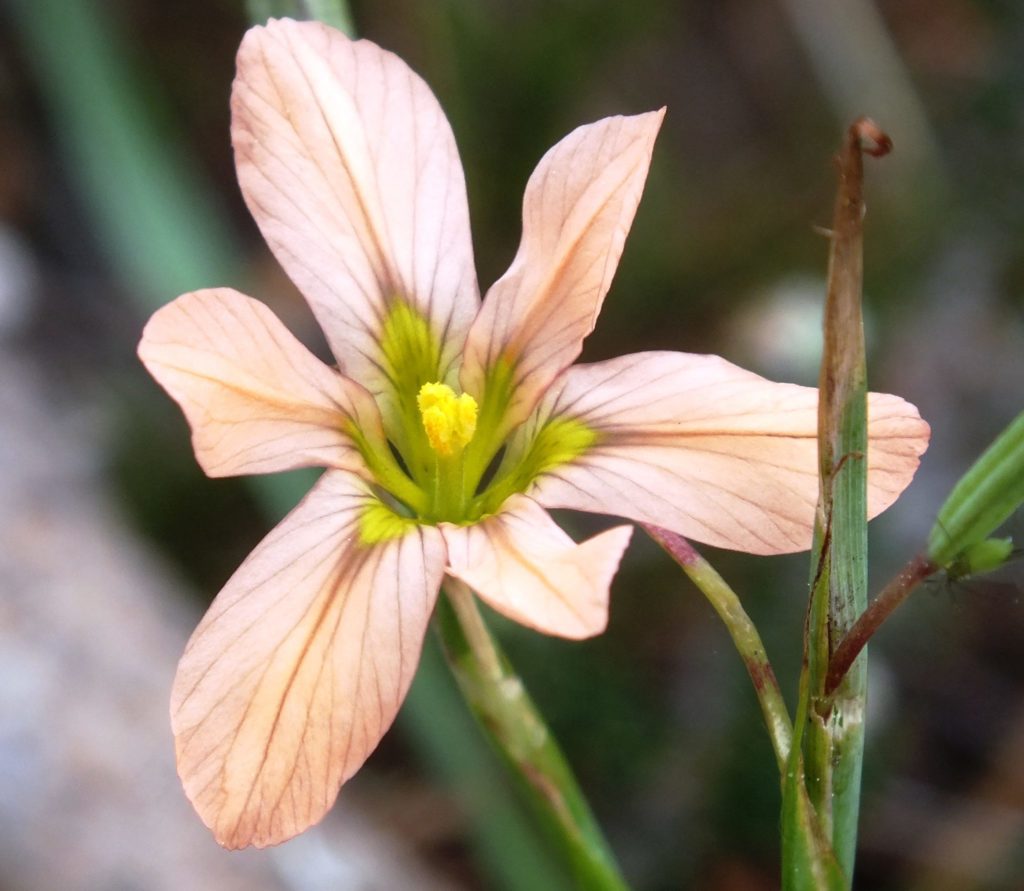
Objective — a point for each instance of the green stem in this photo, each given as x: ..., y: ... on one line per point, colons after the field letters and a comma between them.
x: 835, y: 730
x: 744, y: 635
x: 891, y: 596
x: 500, y: 703
x: 332, y: 12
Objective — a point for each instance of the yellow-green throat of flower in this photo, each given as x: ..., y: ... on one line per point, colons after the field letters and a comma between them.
x: 448, y: 458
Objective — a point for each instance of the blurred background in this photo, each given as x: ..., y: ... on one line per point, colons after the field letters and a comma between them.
x: 117, y: 193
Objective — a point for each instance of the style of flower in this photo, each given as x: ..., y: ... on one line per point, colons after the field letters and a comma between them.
x: 448, y: 427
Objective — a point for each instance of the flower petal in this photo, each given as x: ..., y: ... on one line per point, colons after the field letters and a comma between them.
x: 578, y: 207
x: 300, y: 665
x: 713, y: 452
x: 350, y: 169
x: 527, y: 568
x: 257, y: 400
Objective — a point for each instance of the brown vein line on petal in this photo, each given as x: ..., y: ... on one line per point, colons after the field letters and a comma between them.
x: 215, y: 782
x: 261, y: 147
x: 398, y: 604
x: 331, y: 723
x: 614, y: 455
x: 328, y: 602
x: 572, y: 285
x: 527, y: 373
x: 327, y: 248
x: 590, y: 412
x: 559, y: 269
x: 313, y: 157
x: 328, y: 651
x: 266, y: 115
x: 213, y: 616
x: 612, y: 450
x: 273, y: 397
x: 262, y: 669
x: 653, y: 494
x: 188, y: 309
x: 622, y: 432
x: 186, y: 735
x: 446, y: 328
x: 239, y: 463
x: 420, y: 547
x: 257, y: 338
x: 544, y: 314
x: 379, y: 139
x: 285, y: 346
x: 417, y: 175
x: 258, y: 168
x: 610, y: 196
x: 377, y: 553
x: 555, y: 341
x: 347, y: 319
x: 388, y: 278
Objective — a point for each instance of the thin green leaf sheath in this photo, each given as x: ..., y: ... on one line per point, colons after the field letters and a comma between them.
x: 835, y: 726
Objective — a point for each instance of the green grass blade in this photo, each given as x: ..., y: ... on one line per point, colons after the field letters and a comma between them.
x: 983, y: 499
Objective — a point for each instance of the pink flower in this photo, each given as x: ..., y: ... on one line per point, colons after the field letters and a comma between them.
x: 350, y: 169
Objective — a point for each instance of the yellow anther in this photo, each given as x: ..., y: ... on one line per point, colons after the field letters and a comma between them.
x: 449, y: 420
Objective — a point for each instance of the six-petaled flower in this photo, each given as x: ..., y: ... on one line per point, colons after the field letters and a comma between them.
x: 448, y: 428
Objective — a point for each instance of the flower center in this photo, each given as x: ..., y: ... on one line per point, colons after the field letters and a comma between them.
x: 448, y: 420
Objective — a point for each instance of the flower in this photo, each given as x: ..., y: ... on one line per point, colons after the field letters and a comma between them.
x: 448, y: 427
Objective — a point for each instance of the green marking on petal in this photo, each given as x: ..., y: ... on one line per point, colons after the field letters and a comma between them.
x: 411, y: 357
x: 558, y: 442
x: 412, y: 354
x: 379, y: 524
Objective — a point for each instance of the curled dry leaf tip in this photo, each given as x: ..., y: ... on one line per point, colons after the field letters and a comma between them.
x: 872, y: 138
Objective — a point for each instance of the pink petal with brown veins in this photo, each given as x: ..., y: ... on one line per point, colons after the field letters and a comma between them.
x: 300, y: 665
x: 257, y: 400
x: 718, y: 454
x: 578, y: 207
x: 350, y: 169
x: 528, y: 569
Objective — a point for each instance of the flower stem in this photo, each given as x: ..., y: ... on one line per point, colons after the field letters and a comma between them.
x: 890, y: 597
x: 744, y: 635
x: 500, y: 703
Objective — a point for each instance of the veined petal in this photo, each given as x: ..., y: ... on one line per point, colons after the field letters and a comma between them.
x: 351, y: 171
x: 301, y: 663
x: 578, y: 207
x: 256, y: 399
x: 713, y: 452
x: 523, y: 564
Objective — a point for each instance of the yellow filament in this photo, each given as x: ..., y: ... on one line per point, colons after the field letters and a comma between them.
x: 449, y: 420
